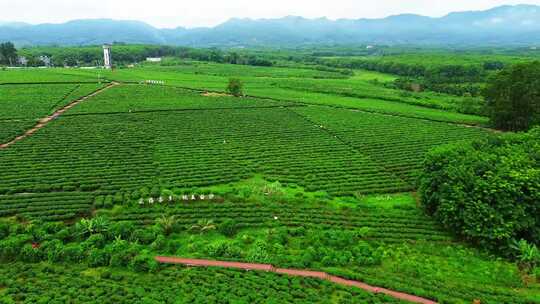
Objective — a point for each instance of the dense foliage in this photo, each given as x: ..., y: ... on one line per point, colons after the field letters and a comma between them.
x: 513, y: 97
x: 8, y: 53
x: 487, y: 191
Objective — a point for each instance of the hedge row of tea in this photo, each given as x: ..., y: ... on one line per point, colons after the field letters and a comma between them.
x: 398, y: 144
x: 389, y: 225
x: 303, y: 85
x: 141, y: 98
x: 123, y: 153
x: 48, y: 283
x: 32, y: 102
x: 120, y: 154
x: 372, y: 90
x: 10, y: 129
x: 23, y: 105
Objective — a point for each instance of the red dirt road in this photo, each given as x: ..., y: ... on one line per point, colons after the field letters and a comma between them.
x: 44, y: 121
x: 295, y: 272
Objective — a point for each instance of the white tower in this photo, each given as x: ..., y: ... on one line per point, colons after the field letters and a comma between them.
x: 107, y: 56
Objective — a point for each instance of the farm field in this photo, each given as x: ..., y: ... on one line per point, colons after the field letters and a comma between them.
x: 293, y: 84
x: 313, y: 169
x: 25, y: 104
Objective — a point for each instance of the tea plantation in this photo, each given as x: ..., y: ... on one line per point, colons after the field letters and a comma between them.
x: 303, y: 172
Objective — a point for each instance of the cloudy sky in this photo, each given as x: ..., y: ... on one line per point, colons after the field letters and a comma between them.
x: 173, y: 13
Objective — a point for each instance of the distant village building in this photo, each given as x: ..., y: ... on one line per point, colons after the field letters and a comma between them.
x: 369, y: 47
x: 46, y: 60
x: 107, y: 62
x: 153, y: 59
x: 22, y: 60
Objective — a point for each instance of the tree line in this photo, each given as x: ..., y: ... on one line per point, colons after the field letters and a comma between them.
x: 128, y: 54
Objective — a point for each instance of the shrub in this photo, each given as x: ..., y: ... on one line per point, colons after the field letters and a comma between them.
x: 235, y: 87
x: 73, y: 253
x: 228, y: 228
x: 486, y: 191
x: 121, y: 253
x: 4, y: 229
x: 98, y: 257
x: 144, y: 262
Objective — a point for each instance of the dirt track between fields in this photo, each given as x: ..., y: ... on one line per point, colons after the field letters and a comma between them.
x: 44, y: 121
x: 297, y: 273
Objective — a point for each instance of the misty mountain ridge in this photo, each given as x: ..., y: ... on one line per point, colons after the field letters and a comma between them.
x: 503, y: 25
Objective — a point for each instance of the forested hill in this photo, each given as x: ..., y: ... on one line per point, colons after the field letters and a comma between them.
x: 504, y: 25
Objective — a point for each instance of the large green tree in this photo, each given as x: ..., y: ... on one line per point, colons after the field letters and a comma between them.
x: 513, y: 97
x: 487, y: 191
x: 8, y: 53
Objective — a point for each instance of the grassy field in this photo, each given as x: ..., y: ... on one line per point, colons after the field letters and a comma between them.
x: 314, y: 169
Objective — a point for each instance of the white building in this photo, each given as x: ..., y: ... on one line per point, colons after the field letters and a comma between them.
x: 22, y: 60
x: 46, y: 60
x: 107, y: 62
x: 153, y: 59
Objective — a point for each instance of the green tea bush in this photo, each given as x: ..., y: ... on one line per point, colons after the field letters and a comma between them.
x: 487, y: 191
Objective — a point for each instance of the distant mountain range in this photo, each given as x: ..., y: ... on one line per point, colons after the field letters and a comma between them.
x: 504, y: 25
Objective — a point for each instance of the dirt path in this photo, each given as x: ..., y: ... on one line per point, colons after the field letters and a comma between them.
x: 44, y: 121
x: 297, y: 273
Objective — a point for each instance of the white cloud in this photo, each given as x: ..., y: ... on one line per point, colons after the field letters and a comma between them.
x: 171, y: 13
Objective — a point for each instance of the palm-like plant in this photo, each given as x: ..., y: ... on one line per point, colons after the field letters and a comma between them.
x: 92, y: 226
x: 203, y: 226
x: 528, y: 254
x: 166, y: 223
